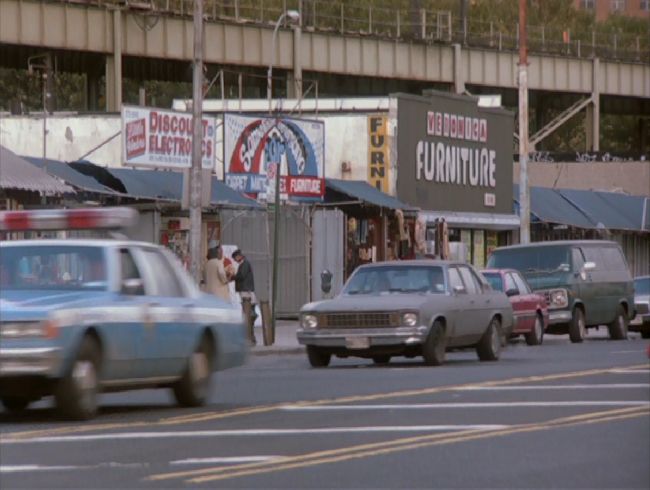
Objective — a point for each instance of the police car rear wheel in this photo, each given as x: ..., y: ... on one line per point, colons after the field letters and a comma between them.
x: 15, y: 404
x: 76, y: 393
x: 193, y: 389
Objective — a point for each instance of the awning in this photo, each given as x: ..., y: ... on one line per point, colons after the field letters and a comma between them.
x: 161, y: 185
x: 360, y: 190
x: 72, y: 177
x: 589, y: 209
x: 18, y: 173
x: 485, y: 221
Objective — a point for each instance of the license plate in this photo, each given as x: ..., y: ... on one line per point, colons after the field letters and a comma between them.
x: 357, y: 342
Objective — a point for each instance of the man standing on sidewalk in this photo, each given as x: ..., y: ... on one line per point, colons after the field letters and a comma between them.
x: 245, y: 286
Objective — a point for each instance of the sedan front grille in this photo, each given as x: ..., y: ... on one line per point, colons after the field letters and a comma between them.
x: 360, y: 320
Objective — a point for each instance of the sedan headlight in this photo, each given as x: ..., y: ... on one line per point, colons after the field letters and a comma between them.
x: 558, y: 298
x: 409, y: 319
x: 309, y: 321
x: 21, y: 330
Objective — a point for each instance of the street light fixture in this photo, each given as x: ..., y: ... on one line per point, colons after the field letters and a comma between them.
x: 294, y: 18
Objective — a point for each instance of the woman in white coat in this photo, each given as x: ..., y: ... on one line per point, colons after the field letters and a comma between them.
x: 216, y: 277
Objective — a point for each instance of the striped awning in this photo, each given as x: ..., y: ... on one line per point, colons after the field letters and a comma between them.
x: 17, y: 173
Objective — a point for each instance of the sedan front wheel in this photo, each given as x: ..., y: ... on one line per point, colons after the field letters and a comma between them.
x: 318, y: 358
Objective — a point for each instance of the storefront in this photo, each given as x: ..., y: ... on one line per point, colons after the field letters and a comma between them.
x: 455, y: 164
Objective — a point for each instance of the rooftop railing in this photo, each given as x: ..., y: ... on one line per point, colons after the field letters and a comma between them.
x: 424, y: 25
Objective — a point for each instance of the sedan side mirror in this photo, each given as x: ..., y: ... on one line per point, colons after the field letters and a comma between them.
x: 512, y: 292
x: 326, y: 281
x: 459, y: 289
x: 132, y: 287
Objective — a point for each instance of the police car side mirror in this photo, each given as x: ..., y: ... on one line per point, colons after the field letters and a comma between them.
x: 326, y: 281
x: 132, y: 287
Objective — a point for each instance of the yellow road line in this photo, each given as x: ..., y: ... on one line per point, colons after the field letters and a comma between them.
x: 427, y: 439
x: 206, y: 416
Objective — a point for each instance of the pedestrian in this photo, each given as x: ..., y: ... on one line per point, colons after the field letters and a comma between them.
x: 216, y: 277
x: 245, y: 286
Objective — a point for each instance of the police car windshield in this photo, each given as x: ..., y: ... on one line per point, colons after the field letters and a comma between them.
x: 53, y: 267
x: 396, y: 280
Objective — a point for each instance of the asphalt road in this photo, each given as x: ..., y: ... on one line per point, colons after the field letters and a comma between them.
x: 557, y: 416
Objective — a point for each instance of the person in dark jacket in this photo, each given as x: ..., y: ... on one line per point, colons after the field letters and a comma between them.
x: 245, y: 286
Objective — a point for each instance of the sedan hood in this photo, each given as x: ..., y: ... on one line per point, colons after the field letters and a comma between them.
x: 47, y: 300
x: 380, y: 302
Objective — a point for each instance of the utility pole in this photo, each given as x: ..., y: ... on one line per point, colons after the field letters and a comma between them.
x: 197, y: 138
x: 524, y: 196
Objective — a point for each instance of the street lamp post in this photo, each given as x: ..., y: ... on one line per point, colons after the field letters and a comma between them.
x: 294, y: 17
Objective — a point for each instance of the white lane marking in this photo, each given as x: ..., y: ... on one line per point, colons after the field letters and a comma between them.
x: 226, y: 460
x: 629, y: 371
x: 627, y: 351
x: 37, y: 467
x: 421, y: 406
x: 610, y: 386
x: 252, y: 432
x: 34, y: 467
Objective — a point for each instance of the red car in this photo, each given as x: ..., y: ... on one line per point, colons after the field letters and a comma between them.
x: 529, y: 308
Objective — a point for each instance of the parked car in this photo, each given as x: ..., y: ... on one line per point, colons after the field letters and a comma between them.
x: 81, y: 316
x: 641, y: 322
x: 407, y: 308
x: 530, y: 312
x: 586, y: 283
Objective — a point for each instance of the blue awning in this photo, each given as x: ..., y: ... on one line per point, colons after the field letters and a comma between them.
x: 161, y: 185
x: 588, y: 209
x: 362, y: 191
x: 69, y: 175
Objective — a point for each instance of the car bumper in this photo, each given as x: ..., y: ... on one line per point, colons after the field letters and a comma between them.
x: 641, y: 320
x: 356, y: 338
x: 20, y: 361
x: 559, y: 316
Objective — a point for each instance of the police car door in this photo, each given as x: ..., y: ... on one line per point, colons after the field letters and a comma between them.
x: 172, y: 311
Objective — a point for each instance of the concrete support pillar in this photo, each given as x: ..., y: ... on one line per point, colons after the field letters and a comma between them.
x: 294, y: 78
x: 459, y: 75
x: 114, y: 67
x: 592, y: 120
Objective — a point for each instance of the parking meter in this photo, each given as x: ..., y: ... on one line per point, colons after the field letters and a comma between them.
x: 326, y: 281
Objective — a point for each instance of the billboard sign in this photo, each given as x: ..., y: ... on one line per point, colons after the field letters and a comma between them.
x: 161, y: 138
x: 255, y: 146
x: 454, y: 155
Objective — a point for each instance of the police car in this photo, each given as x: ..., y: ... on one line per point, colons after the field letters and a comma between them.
x: 84, y: 316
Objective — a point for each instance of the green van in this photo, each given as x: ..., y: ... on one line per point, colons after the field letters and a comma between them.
x: 586, y: 283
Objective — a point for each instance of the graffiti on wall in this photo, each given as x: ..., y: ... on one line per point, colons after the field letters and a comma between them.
x: 255, y: 147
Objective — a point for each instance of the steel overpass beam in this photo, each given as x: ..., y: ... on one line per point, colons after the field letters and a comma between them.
x: 592, y: 119
x: 114, y: 67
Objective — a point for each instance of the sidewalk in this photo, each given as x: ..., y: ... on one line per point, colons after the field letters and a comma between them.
x: 285, y: 340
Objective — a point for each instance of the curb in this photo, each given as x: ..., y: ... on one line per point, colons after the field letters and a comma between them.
x: 271, y: 350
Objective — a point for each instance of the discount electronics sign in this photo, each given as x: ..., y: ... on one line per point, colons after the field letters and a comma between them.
x: 161, y: 138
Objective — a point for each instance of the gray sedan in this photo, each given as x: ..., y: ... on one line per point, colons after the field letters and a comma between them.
x: 408, y: 308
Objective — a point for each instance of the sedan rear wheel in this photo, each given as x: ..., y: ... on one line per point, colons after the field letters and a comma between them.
x: 434, y: 348
x: 318, y: 358
x: 489, y: 347
x: 618, y: 328
x: 536, y: 336
x: 193, y: 388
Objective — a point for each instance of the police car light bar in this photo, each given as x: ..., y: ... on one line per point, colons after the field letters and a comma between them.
x: 68, y: 219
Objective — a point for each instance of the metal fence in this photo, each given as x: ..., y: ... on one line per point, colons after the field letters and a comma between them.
x: 424, y: 25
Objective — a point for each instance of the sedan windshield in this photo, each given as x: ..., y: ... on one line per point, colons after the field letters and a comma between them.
x: 52, y: 267
x: 396, y: 280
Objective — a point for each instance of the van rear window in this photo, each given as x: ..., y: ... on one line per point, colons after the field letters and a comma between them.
x: 531, y: 259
